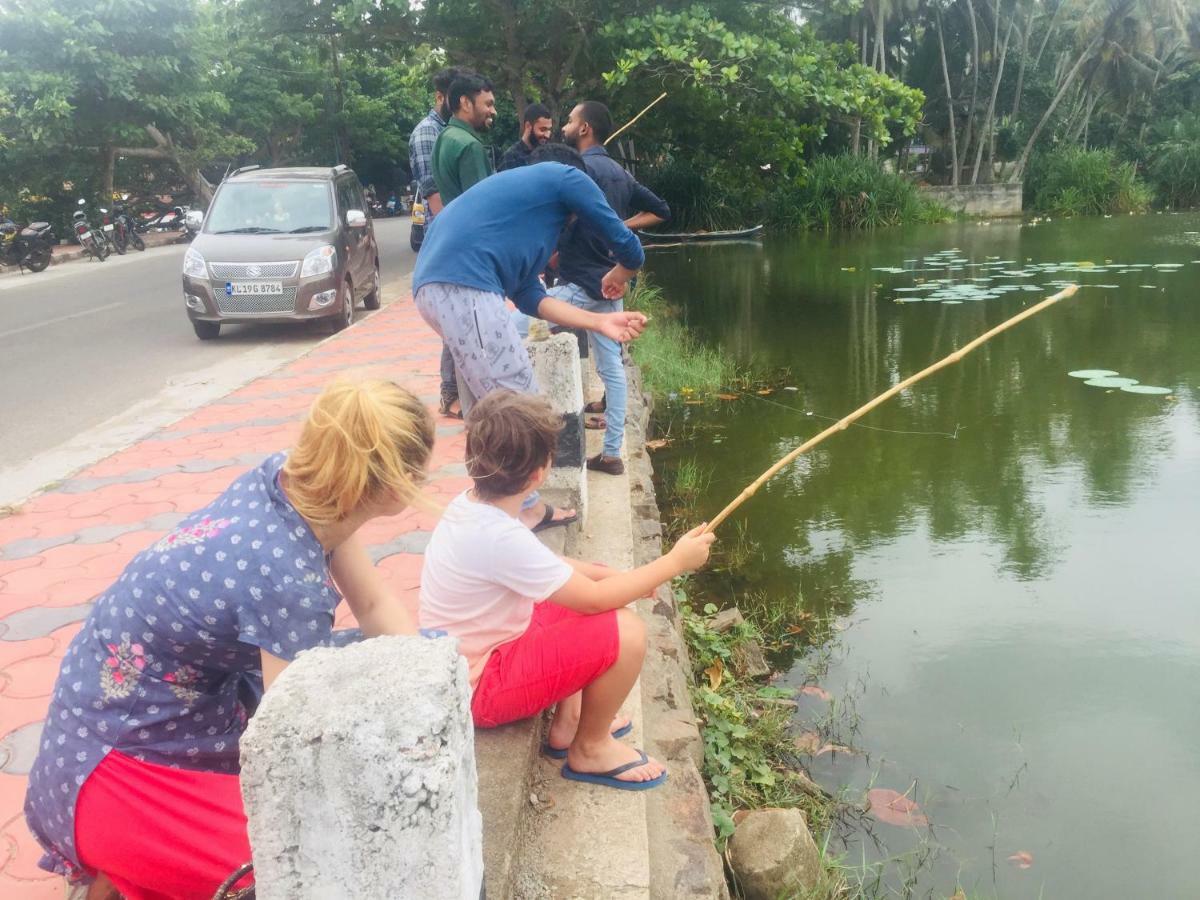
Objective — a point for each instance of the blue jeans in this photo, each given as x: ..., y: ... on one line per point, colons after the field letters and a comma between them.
x: 607, y: 355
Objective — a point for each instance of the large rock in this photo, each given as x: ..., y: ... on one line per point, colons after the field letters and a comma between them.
x: 773, y: 855
x: 358, y: 775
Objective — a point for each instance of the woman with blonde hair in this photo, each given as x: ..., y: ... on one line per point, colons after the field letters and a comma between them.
x: 136, y: 778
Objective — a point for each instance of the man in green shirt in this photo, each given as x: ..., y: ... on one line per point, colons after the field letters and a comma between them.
x: 459, y: 159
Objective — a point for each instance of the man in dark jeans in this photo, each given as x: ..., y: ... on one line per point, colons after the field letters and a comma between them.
x: 536, y: 126
x: 583, y: 260
x: 420, y: 158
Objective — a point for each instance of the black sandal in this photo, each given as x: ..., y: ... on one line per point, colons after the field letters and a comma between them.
x: 548, y: 520
x: 445, y: 410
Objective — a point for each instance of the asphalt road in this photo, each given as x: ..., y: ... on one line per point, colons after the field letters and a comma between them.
x: 93, y: 355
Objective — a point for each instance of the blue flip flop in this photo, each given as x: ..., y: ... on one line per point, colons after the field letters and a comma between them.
x: 610, y: 779
x: 556, y: 753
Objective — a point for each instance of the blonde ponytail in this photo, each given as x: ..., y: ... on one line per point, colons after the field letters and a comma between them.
x: 364, y: 440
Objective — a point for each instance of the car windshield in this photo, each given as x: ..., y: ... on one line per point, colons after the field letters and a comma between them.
x: 271, y: 207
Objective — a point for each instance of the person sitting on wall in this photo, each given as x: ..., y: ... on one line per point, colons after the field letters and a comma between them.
x: 537, y: 629
x: 136, y: 781
x: 494, y: 242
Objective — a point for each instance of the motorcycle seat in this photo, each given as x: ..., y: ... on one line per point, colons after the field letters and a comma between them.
x: 35, y: 228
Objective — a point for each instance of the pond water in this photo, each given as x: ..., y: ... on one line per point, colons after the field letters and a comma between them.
x: 1009, y: 556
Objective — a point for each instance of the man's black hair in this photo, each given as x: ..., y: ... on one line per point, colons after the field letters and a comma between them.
x: 466, y: 84
x: 535, y: 111
x: 597, y: 115
x: 443, y: 79
x: 559, y: 153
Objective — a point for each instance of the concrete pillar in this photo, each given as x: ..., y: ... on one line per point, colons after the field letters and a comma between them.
x: 560, y: 380
x: 358, y: 775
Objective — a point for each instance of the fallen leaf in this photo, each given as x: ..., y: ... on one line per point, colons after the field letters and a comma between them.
x: 833, y: 748
x: 893, y: 808
x: 814, y: 691
x: 727, y: 396
x: 658, y: 443
x: 715, y: 673
x: 765, y: 392
x: 1022, y: 859
x: 808, y: 742
x: 958, y: 895
x: 694, y: 402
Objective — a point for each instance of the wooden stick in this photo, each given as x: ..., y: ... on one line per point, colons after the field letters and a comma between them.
x: 841, y: 424
x: 613, y: 136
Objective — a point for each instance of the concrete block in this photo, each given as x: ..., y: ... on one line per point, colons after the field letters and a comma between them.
x: 988, y: 200
x: 359, y: 779
x: 560, y: 380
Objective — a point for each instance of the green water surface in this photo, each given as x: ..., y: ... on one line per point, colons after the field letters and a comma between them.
x: 1012, y: 566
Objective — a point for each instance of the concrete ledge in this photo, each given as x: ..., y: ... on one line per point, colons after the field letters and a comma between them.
x: 505, y: 758
x: 990, y: 200
x: 559, y: 373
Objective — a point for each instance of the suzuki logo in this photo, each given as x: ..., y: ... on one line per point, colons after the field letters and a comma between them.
x: 253, y: 271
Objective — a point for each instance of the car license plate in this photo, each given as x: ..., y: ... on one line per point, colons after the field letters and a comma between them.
x: 253, y: 288
x: 108, y: 228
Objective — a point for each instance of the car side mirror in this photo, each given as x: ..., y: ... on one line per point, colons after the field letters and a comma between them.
x: 194, y: 219
x: 356, y: 218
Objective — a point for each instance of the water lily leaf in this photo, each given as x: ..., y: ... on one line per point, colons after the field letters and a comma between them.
x: 1110, y: 382
x: 893, y: 808
x: 715, y: 673
x: 814, y: 691
x: 951, y: 303
x: 1145, y: 389
x: 727, y: 396
x: 1092, y: 373
x: 1022, y: 859
x: 765, y: 392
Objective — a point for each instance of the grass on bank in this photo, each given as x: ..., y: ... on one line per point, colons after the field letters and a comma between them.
x: 1074, y: 182
x: 672, y: 360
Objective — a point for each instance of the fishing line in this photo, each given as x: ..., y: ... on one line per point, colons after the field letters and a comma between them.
x: 816, y: 415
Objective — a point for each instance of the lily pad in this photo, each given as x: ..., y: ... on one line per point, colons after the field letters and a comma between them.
x: 1110, y: 382
x: 1093, y: 373
x: 1145, y: 389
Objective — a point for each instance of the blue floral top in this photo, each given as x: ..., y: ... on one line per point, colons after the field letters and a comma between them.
x: 162, y: 664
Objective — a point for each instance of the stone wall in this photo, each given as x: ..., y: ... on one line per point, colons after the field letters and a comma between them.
x: 559, y: 372
x: 988, y: 200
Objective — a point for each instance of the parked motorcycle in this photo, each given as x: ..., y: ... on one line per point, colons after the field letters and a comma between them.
x: 27, y: 248
x: 91, y: 240
x: 108, y: 230
x: 124, y: 231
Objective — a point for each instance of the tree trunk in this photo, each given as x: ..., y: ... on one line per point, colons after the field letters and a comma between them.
x: 1023, y: 159
x: 108, y: 162
x: 164, y: 149
x: 856, y: 139
x: 1016, y: 107
x: 342, y: 149
x: 949, y: 104
x: 880, y: 37
x: 970, y: 124
x: 991, y: 110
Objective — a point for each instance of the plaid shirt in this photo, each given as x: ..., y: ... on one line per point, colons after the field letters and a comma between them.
x: 420, y: 151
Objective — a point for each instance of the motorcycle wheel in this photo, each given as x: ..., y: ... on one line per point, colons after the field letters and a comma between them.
x: 136, y: 240
x: 120, y: 244
x: 38, y: 259
x: 100, y: 250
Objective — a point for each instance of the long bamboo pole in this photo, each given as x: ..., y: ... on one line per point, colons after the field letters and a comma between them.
x: 842, y: 424
x: 613, y: 136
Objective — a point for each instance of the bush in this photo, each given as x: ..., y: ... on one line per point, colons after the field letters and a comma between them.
x: 849, y: 192
x: 1175, y: 174
x: 701, y: 198
x: 1073, y: 182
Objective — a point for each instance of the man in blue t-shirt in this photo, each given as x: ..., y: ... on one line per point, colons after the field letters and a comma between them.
x: 583, y: 259
x: 494, y: 242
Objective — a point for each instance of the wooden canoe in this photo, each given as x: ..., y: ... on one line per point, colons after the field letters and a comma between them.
x: 663, y: 237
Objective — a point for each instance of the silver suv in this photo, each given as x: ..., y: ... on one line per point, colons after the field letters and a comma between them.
x: 282, y: 245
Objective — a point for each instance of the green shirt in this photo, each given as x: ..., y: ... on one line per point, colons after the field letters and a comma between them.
x: 459, y: 160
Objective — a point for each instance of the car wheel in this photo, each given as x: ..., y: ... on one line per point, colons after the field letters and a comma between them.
x: 344, y: 317
x: 206, y: 331
x: 371, y: 301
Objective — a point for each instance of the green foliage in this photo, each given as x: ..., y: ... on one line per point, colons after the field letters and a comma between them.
x: 849, y: 192
x: 672, y: 361
x: 1071, y: 181
x: 1174, y: 170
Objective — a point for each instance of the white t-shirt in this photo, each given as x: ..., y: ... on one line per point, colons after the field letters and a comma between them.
x: 483, y: 573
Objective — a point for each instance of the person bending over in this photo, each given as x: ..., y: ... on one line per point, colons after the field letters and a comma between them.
x: 537, y: 629
x: 494, y: 242
x: 136, y: 780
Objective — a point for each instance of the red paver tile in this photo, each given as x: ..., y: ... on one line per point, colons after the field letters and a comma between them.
x: 72, y: 591
x: 12, y: 652
x: 30, y: 678
x: 67, y: 556
x: 37, y: 580
x: 15, y: 565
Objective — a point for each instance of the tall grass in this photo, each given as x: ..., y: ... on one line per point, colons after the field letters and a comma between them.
x: 1175, y: 174
x: 672, y: 360
x: 849, y: 192
x: 1071, y: 181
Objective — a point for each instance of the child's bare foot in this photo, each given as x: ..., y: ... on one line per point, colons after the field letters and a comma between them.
x: 562, y: 730
x: 609, y: 755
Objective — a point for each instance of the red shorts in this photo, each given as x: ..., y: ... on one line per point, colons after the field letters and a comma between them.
x: 160, y: 833
x: 560, y: 653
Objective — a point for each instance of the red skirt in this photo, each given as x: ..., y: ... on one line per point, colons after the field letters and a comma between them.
x: 160, y: 833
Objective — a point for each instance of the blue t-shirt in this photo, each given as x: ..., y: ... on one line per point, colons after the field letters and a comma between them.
x: 155, y: 670
x: 498, y: 236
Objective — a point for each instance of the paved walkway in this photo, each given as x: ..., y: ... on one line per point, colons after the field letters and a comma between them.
x: 65, y: 546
